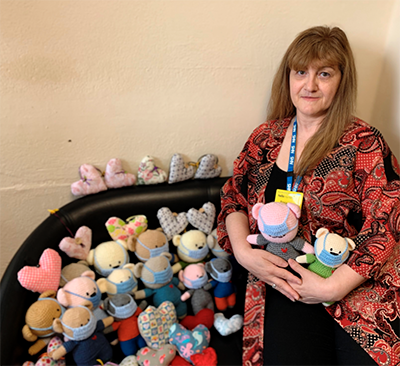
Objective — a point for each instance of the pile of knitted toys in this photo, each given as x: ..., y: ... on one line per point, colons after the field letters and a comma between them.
x: 132, y: 293
x: 93, y: 180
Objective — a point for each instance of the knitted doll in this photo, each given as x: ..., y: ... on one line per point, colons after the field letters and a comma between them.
x: 278, y: 223
x: 85, y: 338
x: 125, y: 312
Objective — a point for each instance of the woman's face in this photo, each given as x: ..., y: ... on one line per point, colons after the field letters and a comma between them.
x: 312, y: 90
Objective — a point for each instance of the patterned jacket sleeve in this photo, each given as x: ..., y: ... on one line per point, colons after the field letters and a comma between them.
x: 378, y: 186
x: 234, y: 194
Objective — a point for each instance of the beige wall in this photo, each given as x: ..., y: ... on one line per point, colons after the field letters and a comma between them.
x: 87, y: 81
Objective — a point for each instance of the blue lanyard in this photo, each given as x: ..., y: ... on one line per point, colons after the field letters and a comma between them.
x: 289, y: 179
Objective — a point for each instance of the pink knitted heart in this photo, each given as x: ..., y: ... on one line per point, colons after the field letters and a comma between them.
x: 44, y: 277
x: 78, y: 247
x: 116, y: 177
x: 91, y: 181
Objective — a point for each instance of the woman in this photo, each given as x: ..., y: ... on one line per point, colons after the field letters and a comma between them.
x: 350, y: 182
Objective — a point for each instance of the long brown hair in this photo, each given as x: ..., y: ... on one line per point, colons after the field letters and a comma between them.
x: 331, y: 46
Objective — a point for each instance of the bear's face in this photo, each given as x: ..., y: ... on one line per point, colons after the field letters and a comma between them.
x: 80, y: 291
x: 75, y: 318
x: 150, y: 244
x: 220, y: 269
x: 120, y: 280
x: 194, y: 276
x: 277, y: 222
x: 192, y: 246
x: 109, y: 256
x: 41, y: 315
x: 332, y: 249
x: 156, y: 272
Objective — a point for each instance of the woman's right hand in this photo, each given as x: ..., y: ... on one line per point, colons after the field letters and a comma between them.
x: 268, y: 268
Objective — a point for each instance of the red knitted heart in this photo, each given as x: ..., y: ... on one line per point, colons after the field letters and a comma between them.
x: 204, y: 316
x: 207, y: 358
x: 284, y: 250
x: 46, y: 276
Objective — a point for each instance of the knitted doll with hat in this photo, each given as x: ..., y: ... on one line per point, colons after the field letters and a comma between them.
x: 125, y: 312
x: 84, y: 335
x: 278, y: 224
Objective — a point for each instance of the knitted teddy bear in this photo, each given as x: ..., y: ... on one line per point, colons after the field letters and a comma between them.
x: 39, y: 320
x: 191, y: 248
x: 119, y: 281
x: 195, y: 278
x: 220, y: 269
x: 73, y: 270
x: 84, y: 336
x: 82, y: 291
x: 215, y: 248
x: 149, y: 244
x: 156, y: 275
x: 125, y: 312
x: 331, y: 251
x: 278, y: 224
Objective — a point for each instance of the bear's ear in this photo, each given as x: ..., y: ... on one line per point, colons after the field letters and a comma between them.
x: 138, y: 270
x: 351, y: 243
x: 130, y: 266
x: 167, y: 255
x: 176, y: 240
x: 57, y: 325
x: 131, y: 244
x: 90, y: 257
x: 321, y: 232
x: 102, y: 283
x: 49, y: 293
x: 62, y: 298
x: 295, y: 209
x: 211, y: 241
x: 180, y: 275
x: 89, y: 274
x: 256, y: 210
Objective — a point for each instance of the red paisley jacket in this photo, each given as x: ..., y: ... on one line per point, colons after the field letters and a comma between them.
x: 359, y: 178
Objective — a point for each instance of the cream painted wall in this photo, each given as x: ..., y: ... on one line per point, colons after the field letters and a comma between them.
x: 386, y: 111
x: 87, y: 81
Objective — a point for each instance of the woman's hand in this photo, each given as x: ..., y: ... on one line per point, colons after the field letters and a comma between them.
x: 268, y: 268
x: 315, y: 289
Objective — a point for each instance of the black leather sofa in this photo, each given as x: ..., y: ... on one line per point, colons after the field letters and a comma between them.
x: 93, y: 211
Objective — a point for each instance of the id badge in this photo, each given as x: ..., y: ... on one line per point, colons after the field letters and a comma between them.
x: 285, y: 196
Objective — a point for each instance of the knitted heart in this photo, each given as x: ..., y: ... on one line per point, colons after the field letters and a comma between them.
x: 179, y: 171
x: 207, y: 358
x: 189, y: 342
x: 204, y: 316
x: 78, y: 247
x: 91, y: 181
x: 150, y: 357
x: 208, y: 167
x: 116, y: 177
x: 149, y: 173
x: 129, y: 361
x: 154, y: 324
x: 46, y: 360
x: 227, y: 326
x: 202, y: 219
x: 44, y: 277
x: 120, y: 230
x: 179, y: 361
x: 171, y: 224
x: 54, y: 343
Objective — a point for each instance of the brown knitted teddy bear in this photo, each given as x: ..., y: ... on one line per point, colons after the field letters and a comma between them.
x: 39, y: 321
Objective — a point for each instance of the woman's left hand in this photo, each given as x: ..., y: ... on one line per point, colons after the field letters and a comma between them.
x: 315, y: 289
